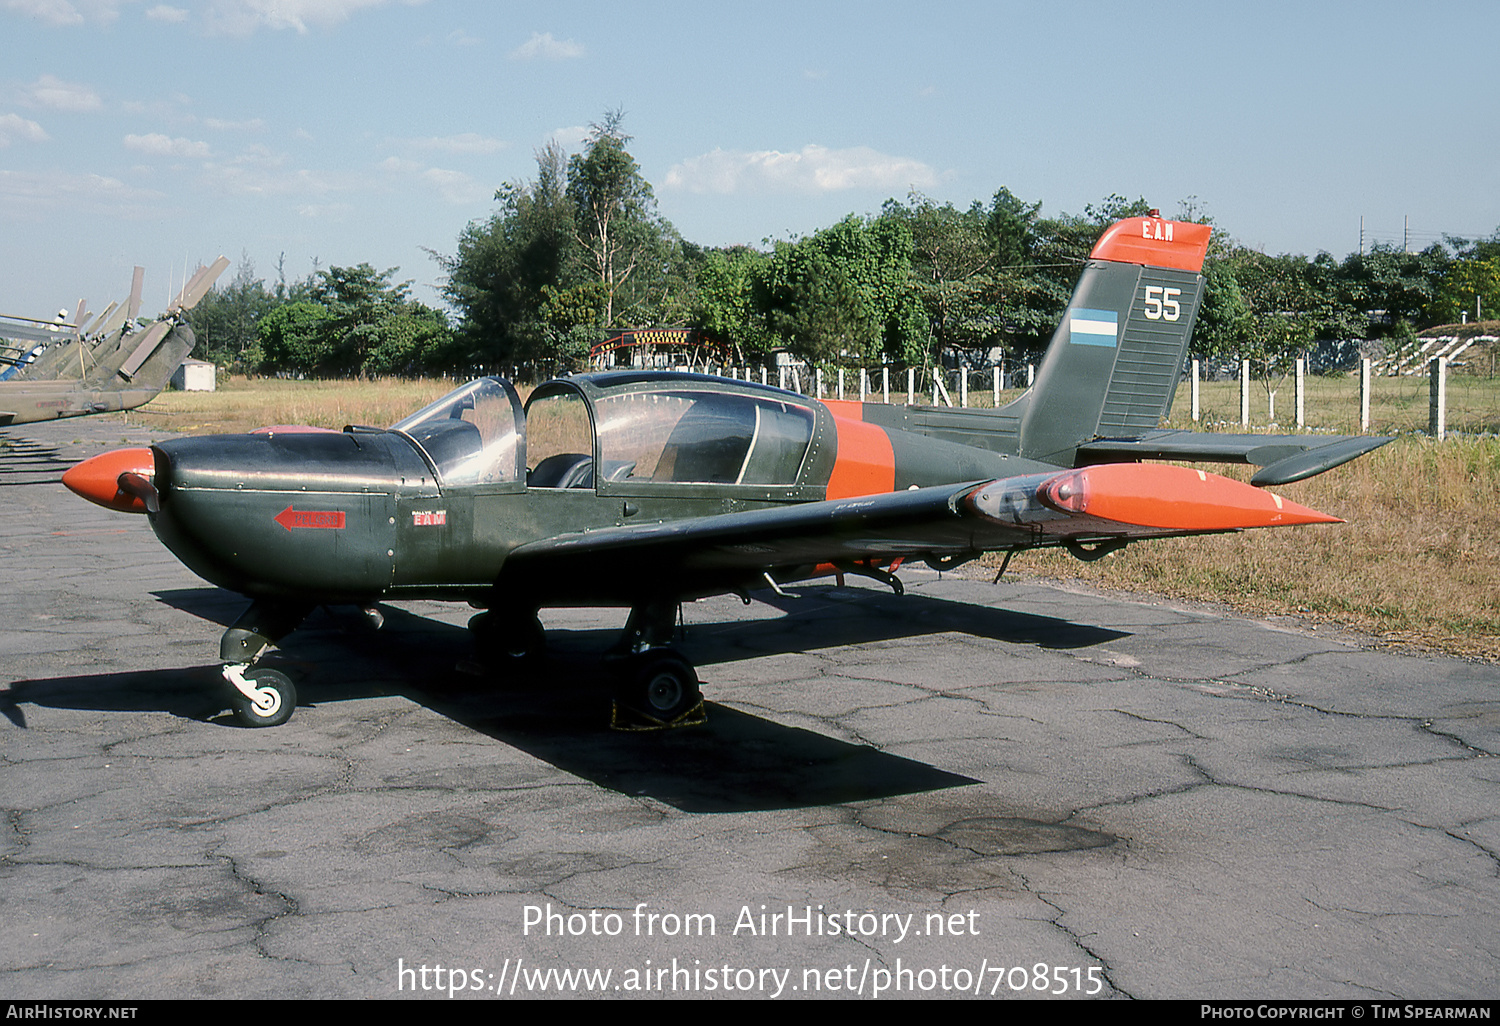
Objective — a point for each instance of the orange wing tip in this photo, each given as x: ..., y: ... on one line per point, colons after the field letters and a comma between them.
x: 1155, y: 242
x: 103, y: 479
x: 1171, y: 499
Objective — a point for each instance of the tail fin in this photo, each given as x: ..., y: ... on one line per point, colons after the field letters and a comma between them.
x: 1112, y: 367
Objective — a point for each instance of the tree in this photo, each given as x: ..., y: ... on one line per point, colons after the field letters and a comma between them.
x: 1470, y: 284
x: 724, y: 299
x: 226, y: 320
x: 614, y: 214
x: 355, y: 321
x: 953, y: 264
x: 496, y: 279
x: 1392, y: 287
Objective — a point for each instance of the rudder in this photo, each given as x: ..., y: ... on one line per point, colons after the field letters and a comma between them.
x: 1112, y: 366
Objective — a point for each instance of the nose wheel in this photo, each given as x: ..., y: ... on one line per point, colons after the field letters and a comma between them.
x: 260, y: 698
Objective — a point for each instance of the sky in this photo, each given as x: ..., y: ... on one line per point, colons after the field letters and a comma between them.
x: 336, y: 132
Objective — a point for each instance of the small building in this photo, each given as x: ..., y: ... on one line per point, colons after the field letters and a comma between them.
x: 195, y: 376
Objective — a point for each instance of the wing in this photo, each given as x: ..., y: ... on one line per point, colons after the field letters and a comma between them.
x: 1107, y: 504
x: 1282, y: 458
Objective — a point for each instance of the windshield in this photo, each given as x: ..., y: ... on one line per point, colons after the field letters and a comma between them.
x: 474, y: 434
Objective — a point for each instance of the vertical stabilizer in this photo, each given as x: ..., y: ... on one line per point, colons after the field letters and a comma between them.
x: 1112, y: 366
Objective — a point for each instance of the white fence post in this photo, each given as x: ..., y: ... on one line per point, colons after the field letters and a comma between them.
x: 1244, y: 393
x: 864, y: 384
x: 841, y: 382
x: 911, y: 385
x: 1301, y: 392
x: 885, y: 384
x: 1193, y: 389
x: 1364, y: 395
x: 963, y: 387
x: 1437, y: 411
x: 996, y: 388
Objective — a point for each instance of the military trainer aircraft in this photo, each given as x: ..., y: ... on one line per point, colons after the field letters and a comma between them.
x: 643, y: 489
x: 110, y: 364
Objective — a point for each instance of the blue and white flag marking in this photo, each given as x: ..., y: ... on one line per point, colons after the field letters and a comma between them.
x: 1093, y: 327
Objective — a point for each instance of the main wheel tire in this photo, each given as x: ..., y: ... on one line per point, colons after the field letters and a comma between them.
x: 275, y: 699
x: 663, y: 686
x: 498, y: 638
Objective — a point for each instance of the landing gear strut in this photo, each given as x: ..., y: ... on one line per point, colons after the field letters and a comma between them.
x: 657, y: 687
x: 262, y: 697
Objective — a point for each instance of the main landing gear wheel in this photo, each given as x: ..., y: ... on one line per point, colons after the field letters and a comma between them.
x: 271, y: 702
x: 498, y: 636
x: 661, y: 687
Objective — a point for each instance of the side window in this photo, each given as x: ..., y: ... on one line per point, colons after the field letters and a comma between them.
x: 560, y: 442
x: 702, y: 438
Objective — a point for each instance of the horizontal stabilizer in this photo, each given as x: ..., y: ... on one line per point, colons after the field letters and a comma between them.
x: 1283, y: 458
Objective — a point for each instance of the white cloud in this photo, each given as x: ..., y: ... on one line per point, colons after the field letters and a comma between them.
x: 221, y: 125
x: 172, y: 15
x: 451, y: 186
x: 456, y: 186
x: 463, y: 143
x: 13, y: 126
x: 28, y: 196
x: 812, y: 170
x: 541, y: 46
x: 56, y: 94
x: 571, y: 138
x: 158, y: 145
x: 242, y: 17
x: 66, y: 12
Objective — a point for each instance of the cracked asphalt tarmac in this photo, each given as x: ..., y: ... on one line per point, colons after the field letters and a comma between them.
x: 1191, y: 804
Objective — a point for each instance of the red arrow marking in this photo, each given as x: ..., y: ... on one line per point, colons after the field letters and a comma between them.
x: 310, y: 518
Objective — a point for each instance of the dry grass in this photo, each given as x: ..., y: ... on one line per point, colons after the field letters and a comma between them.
x: 241, y: 405
x: 1418, y: 561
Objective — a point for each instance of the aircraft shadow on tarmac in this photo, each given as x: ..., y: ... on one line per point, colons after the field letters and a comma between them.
x: 557, y: 708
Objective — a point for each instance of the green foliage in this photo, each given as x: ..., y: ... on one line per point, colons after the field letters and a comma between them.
x: 495, y: 280
x: 724, y: 301
x: 225, y: 320
x: 623, y: 243
x: 1393, y: 286
x: 845, y: 294
x: 355, y: 322
x: 291, y: 338
x: 1470, y: 285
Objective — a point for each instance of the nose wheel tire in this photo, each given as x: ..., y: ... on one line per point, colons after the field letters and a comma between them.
x: 662, y: 686
x: 271, y: 702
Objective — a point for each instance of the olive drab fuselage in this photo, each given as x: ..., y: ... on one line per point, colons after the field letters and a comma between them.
x: 363, y: 514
